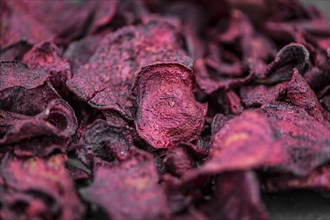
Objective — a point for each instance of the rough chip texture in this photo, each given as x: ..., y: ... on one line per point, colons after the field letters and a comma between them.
x: 167, y: 110
x: 118, y: 189
x: 106, y: 80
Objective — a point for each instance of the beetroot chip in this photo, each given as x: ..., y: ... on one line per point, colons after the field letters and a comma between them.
x: 104, y: 12
x: 104, y: 141
x: 244, y: 142
x: 291, y: 56
x: 105, y: 81
x: 34, y: 188
x: 179, y: 160
x: 79, y: 52
x: 130, y: 190
x: 16, y: 74
x: 15, y: 51
x: 210, y: 81
x: 40, y: 134
x: 318, y: 179
x: 236, y: 197
x: 300, y: 94
x: 167, y: 110
x: 13, y: 30
x: 254, y: 96
x: 18, y: 85
x: 18, y: 99
x: 46, y: 56
x: 233, y: 56
x: 305, y: 141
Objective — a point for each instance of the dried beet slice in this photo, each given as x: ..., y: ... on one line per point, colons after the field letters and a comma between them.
x: 167, y: 111
x: 105, y: 141
x: 300, y: 94
x: 291, y: 56
x: 219, y: 121
x: 130, y: 190
x: 178, y: 160
x: 18, y: 99
x: 46, y: 56
x: 245, y: 142
x: 317, y: 79
x: 325, y: 101
x: 104, y: 12
x: 18, y: 85
x: 12, y: 31
x: 105, y: 81
x: 234, y: 102
x: 15, y: 51
x: 237, y: 197
x: 36, y: 188
x: 79, y: 52
x: 305, y: 141
x: 48, y: 131
x: 210, y: 82
x: 318, y: 179
x: 258, y: 95
x: 16, y: 74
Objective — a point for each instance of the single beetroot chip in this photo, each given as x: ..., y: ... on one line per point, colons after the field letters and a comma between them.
x: 245, y: 142
x: 234, y: 102
x: 305, y: 141
x: 254, y: 96
x: 13, y: 31
x: 178, y: 160
x: 46, y: 56
x: 237, y: 197
x: 16, y: 74
x: 325, y: 101
x: 34, y: 188
x: 130, y: 190
x: 24, y: 91
x: 219, y: 121
x: 105, y: 82
x: 300, y: 94
x: 79, y: 52
x: 104, y: 141
x: 318, y: 179
x: 18, y: 99
x: 210, y: 81
x: 291, y: 56
x: 15, y: 51
x: 317, y: 79
x: 104, y: 12
x: 47, y: 131
x: 167, y: 111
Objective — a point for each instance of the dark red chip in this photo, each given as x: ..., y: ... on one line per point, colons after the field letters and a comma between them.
x: 130, y: 190
x: 235, y: 189
x: 37, y: 188
x: 167, y: 110
x: 105, y: 82
x: 104, y: 141
x: 48, y: 131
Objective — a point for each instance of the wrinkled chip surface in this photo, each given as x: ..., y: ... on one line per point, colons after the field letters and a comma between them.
x: 167, y: 110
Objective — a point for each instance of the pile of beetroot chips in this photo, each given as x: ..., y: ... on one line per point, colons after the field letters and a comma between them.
x: 156, y: 109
